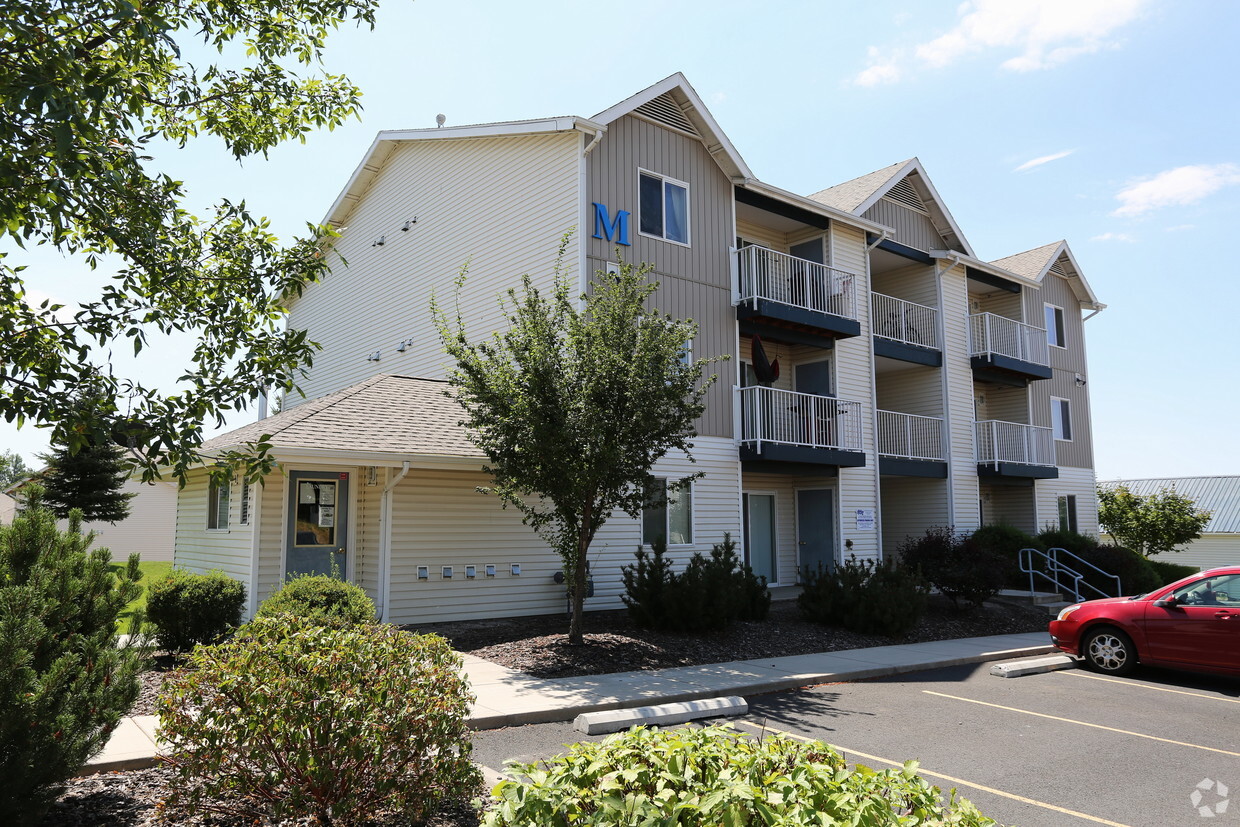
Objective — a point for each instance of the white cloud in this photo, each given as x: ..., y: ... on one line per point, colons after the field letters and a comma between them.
x: 1176, y: 187
x: 1179, y: 228
x: 1115, y: 237
x: 1042, y: 33
x: 1044, y: 159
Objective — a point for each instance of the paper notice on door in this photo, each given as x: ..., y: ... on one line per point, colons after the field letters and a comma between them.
x: 305, y: 493
x: 865, y: 519
x: 327, y: 516
x: 327, y: 493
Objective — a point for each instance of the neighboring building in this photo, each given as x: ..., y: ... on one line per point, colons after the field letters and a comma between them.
x: 920, y: 384
x: 149, y: 529
x: 1219, y: 544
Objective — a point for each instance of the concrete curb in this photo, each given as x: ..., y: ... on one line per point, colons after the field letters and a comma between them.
x: 598, y: 723
x: 1037, y: 666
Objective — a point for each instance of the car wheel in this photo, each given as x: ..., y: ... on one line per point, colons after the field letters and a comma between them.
x: 1109, y: 651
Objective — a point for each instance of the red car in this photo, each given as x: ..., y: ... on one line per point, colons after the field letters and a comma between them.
x: 1192, y: 624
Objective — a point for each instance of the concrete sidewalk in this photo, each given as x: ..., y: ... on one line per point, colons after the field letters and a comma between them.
x: 506, y: 697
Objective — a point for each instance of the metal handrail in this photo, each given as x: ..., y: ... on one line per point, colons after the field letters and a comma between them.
x: 990, y: 334
x: 792, y: 418
x: 904, y: 321
x: 910, y: 436
x: 1054, y: 567
x: 997, y: 441
x: 797, y: 282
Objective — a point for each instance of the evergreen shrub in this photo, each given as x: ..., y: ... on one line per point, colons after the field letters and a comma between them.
x: 1171, y: 572
x: 865, y: 596
x: 339, y: 724
x: 965, y: 571
x: 715, y: 776
x: 320, y: 598
x: 187, y: 608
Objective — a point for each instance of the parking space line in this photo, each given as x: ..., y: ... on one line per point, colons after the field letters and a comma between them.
x: 1082, y: 723
x: 959, y: 782
x: 1147, y: 686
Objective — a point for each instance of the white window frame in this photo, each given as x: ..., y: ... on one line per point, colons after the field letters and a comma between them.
x: 665, y: 180
x: 1065, y: 504
x: 746, y: 522
x: 685, y: 492
x: 1058, y: 334
x: 1058, y: 420
x: 215, y: 491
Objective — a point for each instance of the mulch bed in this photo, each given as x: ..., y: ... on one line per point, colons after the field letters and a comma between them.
x: 539, y: 645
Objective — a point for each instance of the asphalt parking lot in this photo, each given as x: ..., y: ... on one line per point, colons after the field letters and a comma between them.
x: 1060, y: 748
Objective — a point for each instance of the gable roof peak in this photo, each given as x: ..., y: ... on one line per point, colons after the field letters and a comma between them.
x: 1036, y: 263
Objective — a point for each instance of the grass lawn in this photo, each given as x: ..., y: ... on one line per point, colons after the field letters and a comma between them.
x: 151, y: 571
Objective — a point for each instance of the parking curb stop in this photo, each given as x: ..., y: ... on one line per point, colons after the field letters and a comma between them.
x: 1035, y: 666
x: 598, y: 723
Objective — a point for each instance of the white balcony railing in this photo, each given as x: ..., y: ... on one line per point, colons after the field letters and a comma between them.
x: 905, y: 321
x: 908, y: 436
x: 790, y: 418
x: 1012, y: 442
x: 989, y: 334
x: 779, y: 277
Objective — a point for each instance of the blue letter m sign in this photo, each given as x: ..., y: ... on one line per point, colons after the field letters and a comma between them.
x: 617, y: 230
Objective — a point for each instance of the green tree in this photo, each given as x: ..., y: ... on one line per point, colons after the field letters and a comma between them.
x: 12, y: 468
x: 1152, y: 524
x: 89, y: 480
x: 64, y: 683
x: 87, y: 88
x: 573, y: 404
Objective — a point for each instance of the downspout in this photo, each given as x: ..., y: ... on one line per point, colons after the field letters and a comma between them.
x: 385, y: 546
x: 1097, y: 310
x: 583, y: 198
x: 886, y: 234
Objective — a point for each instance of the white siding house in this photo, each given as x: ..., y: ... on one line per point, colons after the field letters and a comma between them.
x: 1219, y: 544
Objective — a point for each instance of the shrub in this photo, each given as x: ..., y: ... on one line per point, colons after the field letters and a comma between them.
x: 1171, y: 572
x: 712, y: 776
x: 321, y: 599
x: 64, y: 684
x: 1007, y: 541
x: 865, y: 596
x: 292, y: 719
x: 956, y: 566
x: 1078, y: 544
x: 711, y: 593
x: 187, y: 609
x: 1136, y: 574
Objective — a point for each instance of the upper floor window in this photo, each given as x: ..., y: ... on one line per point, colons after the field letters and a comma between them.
x: 663, y: 204
x: 217, y: 503
x: 668, y: 513
x: 1061, y: 418
x: 1054, y: 326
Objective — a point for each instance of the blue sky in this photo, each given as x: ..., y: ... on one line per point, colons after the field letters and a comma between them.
x: 1111, y: 123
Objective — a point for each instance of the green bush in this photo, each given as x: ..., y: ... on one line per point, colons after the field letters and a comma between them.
x: 711, y: 593
x: 1171, y: 572
x: 1078, y: 544
x: 1136, y: 574
x: 290, y: 719
x: 64, y: 683
x: 321, y: 599
x: 865, y: 596
x: 712, y: 776
x: 187, y: 609
x: 960, y: 568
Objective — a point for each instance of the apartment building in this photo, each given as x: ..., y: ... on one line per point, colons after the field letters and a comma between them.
x: 883, y: 379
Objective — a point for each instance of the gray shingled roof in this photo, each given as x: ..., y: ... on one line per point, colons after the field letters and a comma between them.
x: 1030, y: 263
x: 850, y: 195
x: 386, y: 414
x: 1218, y: 495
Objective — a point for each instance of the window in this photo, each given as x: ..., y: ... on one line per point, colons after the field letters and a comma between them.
x: 1061, y: 418
x: 217, y: 503
x: 1054, y: 326
x: 664, y: 207
x: 1067, y: 512
x: 245, y: 503
x: 686, y: 353
x: 668, y: 513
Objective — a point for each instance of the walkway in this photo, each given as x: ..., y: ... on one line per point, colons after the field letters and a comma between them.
x: 507, y: 697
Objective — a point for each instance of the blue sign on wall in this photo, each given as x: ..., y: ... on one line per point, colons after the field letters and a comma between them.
x: 616, y: 229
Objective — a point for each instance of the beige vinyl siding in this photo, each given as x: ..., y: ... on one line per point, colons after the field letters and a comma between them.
x: 1055, y: 290
x: 500, y: 204
x: 1066, y: 363
x: 854, y: 379
x: 765, y: 236
x: 910, y: 506
x: 1078, y: 481
x: 784, y: 487
x: 789, y: 357
x: 271, y: 537
x: 958, y: 382
x: 440, y: 519
x: 912, y: 228
x: 915, y: 283
x: 150, y: 528
x: 916, y: 389
x: 1005, y: 403
x: 367, y: 531
x: 1002, y: 303
x: 1011, y: 504
x: 201, y: 549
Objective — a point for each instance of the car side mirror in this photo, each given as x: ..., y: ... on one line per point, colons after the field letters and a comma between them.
x: 1167, y: 603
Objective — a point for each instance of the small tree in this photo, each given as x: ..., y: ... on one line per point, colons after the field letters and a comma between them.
x: 574, y: 403
x: 64, y: 684
x: 12, y: 468
x: 89, y: 480
x: 1151, y: 524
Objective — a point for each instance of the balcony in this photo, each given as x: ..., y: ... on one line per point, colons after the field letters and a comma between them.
x: 1009, y: 449
x: 779, y: 292
x: 910, y: 445
x: 1007, y: 351
x: 799, y: 429
x: 905, y: 330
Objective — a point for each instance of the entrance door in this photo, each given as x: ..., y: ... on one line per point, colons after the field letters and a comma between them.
x: 815, y: 529
x: 317, y: 523
x: 760, y: 535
